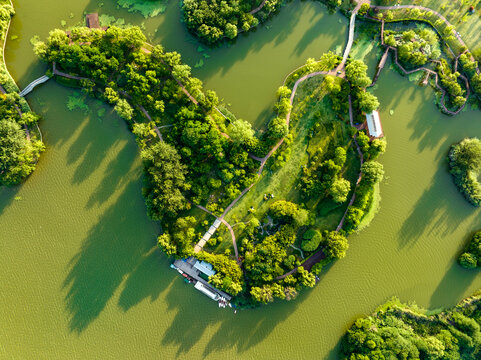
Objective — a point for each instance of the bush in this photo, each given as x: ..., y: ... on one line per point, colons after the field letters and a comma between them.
x: 468, y: 260
x: 465, y: 166
x: 471, y: 257
x: 312, y: 239
x: 335, y: 245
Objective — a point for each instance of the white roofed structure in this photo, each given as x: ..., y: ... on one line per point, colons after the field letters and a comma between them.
x: 374, y: 127
x: 204, y: 267
x: 205, y: 290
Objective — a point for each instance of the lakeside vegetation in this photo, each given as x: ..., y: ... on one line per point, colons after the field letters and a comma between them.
x: 194, y: 162
x: 215, y: 21
x: 471, y: 257
x: 402, y: 331
x: 465, y: 166
x: 20, y: 146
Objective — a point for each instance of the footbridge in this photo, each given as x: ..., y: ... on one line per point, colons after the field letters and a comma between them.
x: 34, y: 83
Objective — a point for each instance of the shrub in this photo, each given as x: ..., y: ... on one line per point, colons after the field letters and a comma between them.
x: 465, y: 166
x: 471, y: 257
x: 312, y: 239
x: 335, y: 245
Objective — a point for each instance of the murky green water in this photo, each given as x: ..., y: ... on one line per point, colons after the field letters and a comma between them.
x: 80, y: 278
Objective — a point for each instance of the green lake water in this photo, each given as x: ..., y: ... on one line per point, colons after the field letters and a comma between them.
x: 80, y: 276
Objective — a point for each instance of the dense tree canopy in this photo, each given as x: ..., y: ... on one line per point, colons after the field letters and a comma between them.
x: 17, y: 154
x: 471, y: 257
x: 465, y: 166
x: 399, y: 331
x: 165, y: 181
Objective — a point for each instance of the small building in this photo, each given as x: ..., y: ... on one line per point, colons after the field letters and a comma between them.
x: 206, y: 291
x: 373, y: 125
x: 204, y: 267
x: 194, y: 270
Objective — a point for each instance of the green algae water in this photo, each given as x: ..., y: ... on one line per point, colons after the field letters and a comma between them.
x: 80, y: 275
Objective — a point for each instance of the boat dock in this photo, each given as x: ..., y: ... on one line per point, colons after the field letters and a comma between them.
x: 193, y: 270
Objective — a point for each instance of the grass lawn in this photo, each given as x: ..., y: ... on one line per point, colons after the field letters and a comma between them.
x: 311, y: 106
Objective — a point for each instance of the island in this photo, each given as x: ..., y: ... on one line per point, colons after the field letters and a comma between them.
x: 207, y: 172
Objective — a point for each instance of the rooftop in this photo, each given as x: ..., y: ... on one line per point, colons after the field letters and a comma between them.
x: 374, y: 126
x: 187, y: 266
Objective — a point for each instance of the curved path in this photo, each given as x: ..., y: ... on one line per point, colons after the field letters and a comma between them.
x: 352, y: 27
x: 361, y: 157
x: 422, y: 8
x: 263, y: 160
x: 259, y: 8
x: 428, y: 71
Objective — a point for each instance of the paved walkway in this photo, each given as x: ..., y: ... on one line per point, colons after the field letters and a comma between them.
x: 263, y: 160
x: 361, y: 157
x: 259, y: 8
x: 352, y: 27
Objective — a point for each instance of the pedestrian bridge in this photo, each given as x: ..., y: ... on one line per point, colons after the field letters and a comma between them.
x: 34, y: 83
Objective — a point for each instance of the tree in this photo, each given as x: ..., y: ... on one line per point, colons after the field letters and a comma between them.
x: 356, y: 73
x: 335, y: 245
x: 468, y: 261
x: 167, y: 245
x: 165, y: 180
x: 29, y: 118
x: 283, y: 92
x: 123, y: 109
x: 285, y: 211
x: 372, y: 172
x: 283, y: 106
x: 17, y: 154
x: 367, y: 101
x: 339, y: 190
x: 305, y: 277
x: 230, y: 31
x: 476, y: 83
x: 111, y: 95
x: 467, y: 154
x: 377, y: 147
x: 181, y: 71
x: 364, y: 9
x: 278, y: 128
x: 262, y: 294
x: 312, y: 239
x: 240, y: 131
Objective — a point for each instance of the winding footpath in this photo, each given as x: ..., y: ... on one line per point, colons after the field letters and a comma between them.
x: 339, y: 71
x: 428, y: 71
x: 361, y: 157
x: 422, y: 8
x: 352, y: 27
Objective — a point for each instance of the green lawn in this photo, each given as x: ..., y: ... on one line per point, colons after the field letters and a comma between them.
x: 311, y: 106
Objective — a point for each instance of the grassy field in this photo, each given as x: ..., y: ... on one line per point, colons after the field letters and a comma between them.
x: 311, y: 106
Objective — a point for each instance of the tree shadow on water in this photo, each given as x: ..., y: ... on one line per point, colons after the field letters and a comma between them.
x: 115, y: 174
x: 452, y: 287
x: 435, y: 211
x: 111, y: 250
x: 147, y: 280
x: 7, y: 195
x: 195, y: 314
